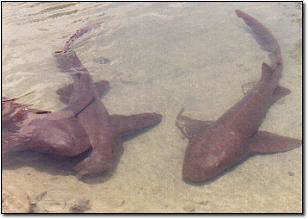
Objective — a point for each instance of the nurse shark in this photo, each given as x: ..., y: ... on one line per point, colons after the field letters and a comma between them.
x: 215, y: 146
x: 83, y: 125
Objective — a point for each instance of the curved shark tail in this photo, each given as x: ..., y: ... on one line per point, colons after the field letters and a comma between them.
x: 79, y: 33
x: 67, y: 59
x: 266, y: 40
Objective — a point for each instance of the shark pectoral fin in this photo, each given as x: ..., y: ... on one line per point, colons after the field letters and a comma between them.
x: 65, y: 92
x: 280, y: 92
x: 126, y: 125
x: 267, y: 143
x: 191, y: 127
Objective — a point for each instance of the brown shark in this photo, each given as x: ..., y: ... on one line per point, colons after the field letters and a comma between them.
x: 85, y: 123
x: 216, y: 146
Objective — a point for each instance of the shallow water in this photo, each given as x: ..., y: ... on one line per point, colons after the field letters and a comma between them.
x: 158, y: 57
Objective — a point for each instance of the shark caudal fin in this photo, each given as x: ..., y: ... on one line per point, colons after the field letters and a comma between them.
x: 79, y: 33
x: 262, y: 35
x: 83, y: 91
x: 67, y: 59
x: 265, y: 39
x: 270, y: 73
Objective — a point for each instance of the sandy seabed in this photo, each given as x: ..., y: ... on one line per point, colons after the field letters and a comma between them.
x: 158, y: 57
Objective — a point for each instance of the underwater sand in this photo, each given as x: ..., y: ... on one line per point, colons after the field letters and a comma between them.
x: 158, y: 57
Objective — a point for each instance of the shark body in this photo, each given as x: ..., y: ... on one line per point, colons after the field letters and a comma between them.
x: 215, y: 146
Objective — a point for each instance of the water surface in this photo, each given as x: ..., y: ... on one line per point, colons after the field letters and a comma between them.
x: 158, y: 57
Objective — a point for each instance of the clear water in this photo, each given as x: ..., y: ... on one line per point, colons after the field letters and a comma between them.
x: 158, y: 57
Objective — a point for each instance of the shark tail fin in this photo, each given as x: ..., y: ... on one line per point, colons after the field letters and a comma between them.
x: 67, y: 59
x: 266, y: 40
x: 262, y: 35
x: 79, y: 33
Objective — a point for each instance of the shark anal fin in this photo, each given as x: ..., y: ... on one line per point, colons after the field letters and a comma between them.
x: 267, y: 143
x: 191, y: 127
x: 66, y: 91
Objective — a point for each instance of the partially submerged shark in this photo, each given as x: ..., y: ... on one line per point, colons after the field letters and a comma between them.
x: 216, y: 146
x: 84, y: 124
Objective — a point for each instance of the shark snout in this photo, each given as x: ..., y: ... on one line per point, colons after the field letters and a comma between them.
x: 197, y: 171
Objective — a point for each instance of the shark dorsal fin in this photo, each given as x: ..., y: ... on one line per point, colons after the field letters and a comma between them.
x: 66, y: 91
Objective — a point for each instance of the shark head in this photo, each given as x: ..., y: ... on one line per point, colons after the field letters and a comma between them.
x: 211, y: 153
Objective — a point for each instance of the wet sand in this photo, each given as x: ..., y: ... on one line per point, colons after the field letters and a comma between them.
x: 163, y: 57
